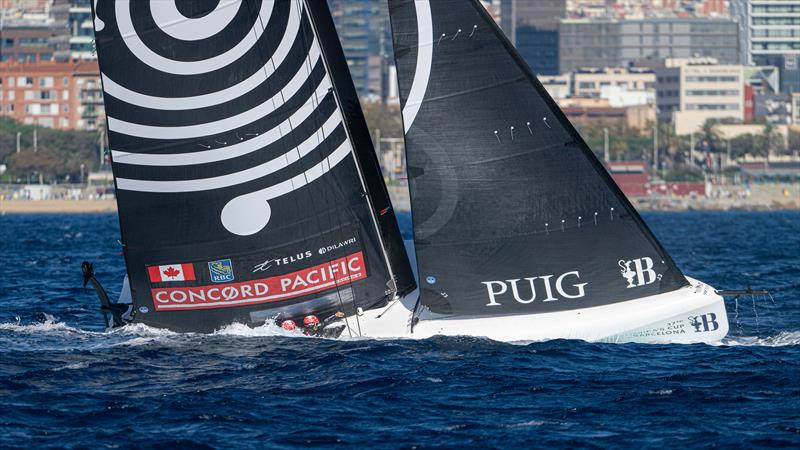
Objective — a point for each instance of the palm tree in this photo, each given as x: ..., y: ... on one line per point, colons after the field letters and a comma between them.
x: 773, y: 140
x: 710, y: 134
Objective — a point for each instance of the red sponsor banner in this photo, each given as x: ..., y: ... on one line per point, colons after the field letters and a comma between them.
x: 273, y: 289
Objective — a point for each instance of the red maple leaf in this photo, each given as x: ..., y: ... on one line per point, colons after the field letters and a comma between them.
x: 171, y: 272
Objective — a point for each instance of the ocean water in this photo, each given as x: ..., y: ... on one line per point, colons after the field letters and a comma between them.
x: 65, y: 382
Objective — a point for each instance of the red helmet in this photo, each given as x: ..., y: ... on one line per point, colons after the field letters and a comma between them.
x: 310, y: 320
x: 288, y: 325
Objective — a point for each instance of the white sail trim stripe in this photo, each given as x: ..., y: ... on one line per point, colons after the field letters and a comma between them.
x: 422, y: 73
x: 250, y: 213
x: 253, y: 173
x: 231, y: 151
x: 171, y: 21
x: 158, y: 62
x: 222, y: 125
x: 215, y: 98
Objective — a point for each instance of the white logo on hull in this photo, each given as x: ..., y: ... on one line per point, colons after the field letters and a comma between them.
x: 522, y: 295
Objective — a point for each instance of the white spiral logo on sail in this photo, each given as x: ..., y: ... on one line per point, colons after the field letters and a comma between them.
x: 249, y: 213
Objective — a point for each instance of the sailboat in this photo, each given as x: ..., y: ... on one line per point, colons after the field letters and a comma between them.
x: 249, y: 190
x: 247, y: 184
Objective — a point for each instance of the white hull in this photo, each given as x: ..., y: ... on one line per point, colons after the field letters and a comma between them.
x: 689, y: 315
x: 659, y: 319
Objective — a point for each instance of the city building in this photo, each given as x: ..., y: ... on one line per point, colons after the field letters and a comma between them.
x: 27, y: 41
x: 52, y: 94
x: 615, y: 43
x: 796, y: 108
x: 589, y: 82
x: 532, y: 25
x: 365, y: 34
x: 712, y: 8
x: 587, y: 8
x: 80, y: 26
x: 583, y: 111
x: 558, y: 86
x: 775, y: 38
x: 88, y: 104
x: 34, y: 6
x: 691, y: 91
x: 631, y: 177
x: 774, y: 109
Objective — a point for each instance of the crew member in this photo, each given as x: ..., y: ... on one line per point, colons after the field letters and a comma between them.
x: 288, y: 325
x: 313, y: 327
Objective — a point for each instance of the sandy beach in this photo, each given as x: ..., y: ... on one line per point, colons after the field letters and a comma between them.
x: 759, y: 198
x: 57, y: 206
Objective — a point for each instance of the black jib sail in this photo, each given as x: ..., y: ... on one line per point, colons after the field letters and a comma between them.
x: 246, y: 180
x: 512, y: 211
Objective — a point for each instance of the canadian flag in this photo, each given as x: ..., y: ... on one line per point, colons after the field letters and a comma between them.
x: 171, y: 272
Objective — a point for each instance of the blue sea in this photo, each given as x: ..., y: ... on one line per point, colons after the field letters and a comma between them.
x: 65, y: 382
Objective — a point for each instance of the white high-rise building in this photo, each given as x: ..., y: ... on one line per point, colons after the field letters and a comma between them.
x: 775, y: 38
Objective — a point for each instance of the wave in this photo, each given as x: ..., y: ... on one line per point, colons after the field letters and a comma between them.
x: 140, y: 334
x: 49, y: 325
x: 266, y: 330
x: 782, y: 339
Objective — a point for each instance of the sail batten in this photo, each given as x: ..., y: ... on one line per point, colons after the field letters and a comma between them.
x: 239, y: 173
x: 512, y: 211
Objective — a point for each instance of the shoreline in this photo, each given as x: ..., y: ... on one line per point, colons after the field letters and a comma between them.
x: 401, y: 203
x: 57, y: 206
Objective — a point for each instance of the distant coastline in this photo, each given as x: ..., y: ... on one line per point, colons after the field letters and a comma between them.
x: 65, y: 206
x: 761, y: 199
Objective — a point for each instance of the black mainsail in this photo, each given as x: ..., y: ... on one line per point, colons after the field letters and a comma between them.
x: 246, y: 180
x: 512, y: 211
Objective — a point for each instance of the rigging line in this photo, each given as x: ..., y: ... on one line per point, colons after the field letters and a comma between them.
x: 353, y: 219
x: 315, y: 97
x: 372, y: 212
x: 370, y: 206
x: 289, y: 121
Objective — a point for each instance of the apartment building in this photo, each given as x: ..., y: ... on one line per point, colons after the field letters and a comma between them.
x: 51, y: 94
x: 558, y: 86
x: 691, y: 91
x: 615, y: 43
x: 775, y: 38
x: 590, y: 82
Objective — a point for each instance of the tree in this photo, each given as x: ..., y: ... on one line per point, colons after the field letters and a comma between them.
x: 742, y: 145
x: 794, y: 141
x: 709, y: 134
x: 59, y: 153
x: 381, y: 117
x: 773, y: 140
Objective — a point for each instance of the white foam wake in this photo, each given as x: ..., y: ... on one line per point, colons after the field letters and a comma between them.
x: 782, y: 339
x: 50, y: 325
x: 266, y: 330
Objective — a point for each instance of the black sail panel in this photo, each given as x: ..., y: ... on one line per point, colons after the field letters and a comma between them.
x: 237, y: 175
x: 512, y: 211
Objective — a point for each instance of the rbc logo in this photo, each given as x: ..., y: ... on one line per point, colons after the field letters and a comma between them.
x: 640, y: 274
x: 221, y: 271
x: 706, y: 322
